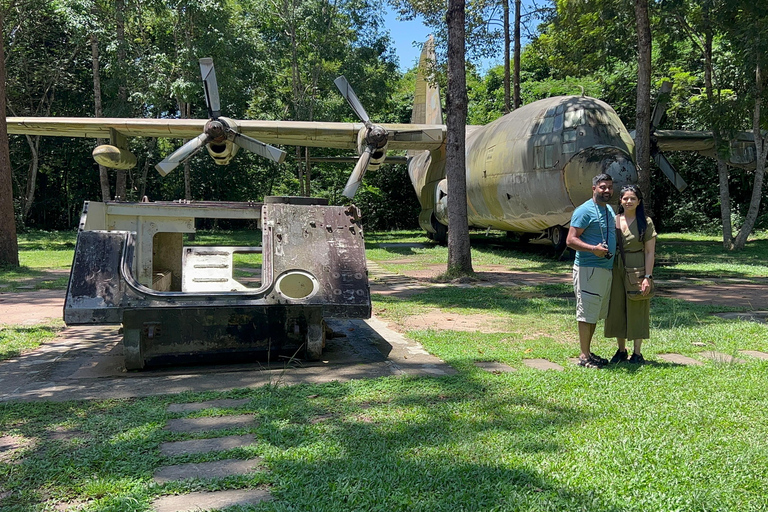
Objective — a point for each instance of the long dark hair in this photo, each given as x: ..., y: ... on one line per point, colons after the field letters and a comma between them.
x: 642, y: 224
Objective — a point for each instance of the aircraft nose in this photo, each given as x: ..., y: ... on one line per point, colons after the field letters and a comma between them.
x: 588, y: 163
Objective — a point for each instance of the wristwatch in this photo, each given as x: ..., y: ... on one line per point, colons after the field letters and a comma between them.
x: 648, y: 276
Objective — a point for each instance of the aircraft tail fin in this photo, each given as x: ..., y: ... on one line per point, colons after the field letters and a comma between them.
x: 426, y: 98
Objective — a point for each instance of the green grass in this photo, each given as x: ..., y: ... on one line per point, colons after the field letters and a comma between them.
x: 16, y: 340
x: 659, y: 437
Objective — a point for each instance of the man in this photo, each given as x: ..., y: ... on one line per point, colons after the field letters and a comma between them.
x: 593, y: 236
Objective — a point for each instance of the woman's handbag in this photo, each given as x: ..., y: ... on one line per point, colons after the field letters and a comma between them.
x: 633, y: 276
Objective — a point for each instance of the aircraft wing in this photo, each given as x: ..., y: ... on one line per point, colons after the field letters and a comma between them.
x: 290, y: 133
x: 684, y: 140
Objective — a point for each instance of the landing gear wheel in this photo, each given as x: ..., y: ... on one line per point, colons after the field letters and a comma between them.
x: 557, y: 235
x: 441, y: 232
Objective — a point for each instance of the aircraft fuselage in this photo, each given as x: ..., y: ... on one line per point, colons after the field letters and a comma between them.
x: 529, y: 169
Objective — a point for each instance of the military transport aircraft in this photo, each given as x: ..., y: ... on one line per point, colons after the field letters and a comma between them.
x: 526, y: 171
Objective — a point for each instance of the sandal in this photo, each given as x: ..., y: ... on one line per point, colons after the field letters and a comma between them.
x: 588, y: 363
x: 597, y: 359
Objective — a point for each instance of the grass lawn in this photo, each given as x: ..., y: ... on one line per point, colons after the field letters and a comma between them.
x: 659, y: 437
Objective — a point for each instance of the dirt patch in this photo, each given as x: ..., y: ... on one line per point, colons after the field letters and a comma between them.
x: 31, y: 308
x: 439, y: 320
x: 11, y: 445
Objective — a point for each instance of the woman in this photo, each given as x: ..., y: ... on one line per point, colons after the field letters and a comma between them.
x: 630, y: 319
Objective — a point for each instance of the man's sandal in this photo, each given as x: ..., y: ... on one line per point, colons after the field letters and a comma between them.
x: 588, y: 363
x: 597, y: 359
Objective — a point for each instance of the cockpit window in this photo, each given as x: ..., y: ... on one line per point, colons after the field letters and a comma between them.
x: 574, y: 118
x: 546, y: 125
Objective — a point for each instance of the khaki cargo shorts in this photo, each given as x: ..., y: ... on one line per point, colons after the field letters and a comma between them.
x: 592, y: 287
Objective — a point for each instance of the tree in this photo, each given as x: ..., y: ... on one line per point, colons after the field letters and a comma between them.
x: 9, y: 249
x: 459, y: 251
x: 643, y: 106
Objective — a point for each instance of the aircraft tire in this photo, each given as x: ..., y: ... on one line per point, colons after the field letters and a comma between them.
x: 441, y: 234
x: 557, y: 236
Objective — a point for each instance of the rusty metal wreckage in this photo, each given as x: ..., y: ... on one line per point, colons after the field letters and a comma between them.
x: 526, y: 172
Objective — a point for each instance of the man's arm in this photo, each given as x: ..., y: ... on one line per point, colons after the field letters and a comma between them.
x: 576, y: 243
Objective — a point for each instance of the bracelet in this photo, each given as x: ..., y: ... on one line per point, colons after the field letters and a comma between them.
x: 648, y: 276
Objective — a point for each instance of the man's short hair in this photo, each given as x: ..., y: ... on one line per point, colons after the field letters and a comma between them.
x: 601, y: 177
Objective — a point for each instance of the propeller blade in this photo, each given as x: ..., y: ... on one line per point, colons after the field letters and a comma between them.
x: 211, y: 87
x: 349, y: 94
x: 172, y: 161
x: 353, y: 183
x: 256, y: 146
x: 661, y: 104
x: 427, y: 135
x: 669, y: 170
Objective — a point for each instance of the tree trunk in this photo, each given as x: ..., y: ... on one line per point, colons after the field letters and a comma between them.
x: 507, y: 103
x: 459, y: 251
x: 761, y: 148
x: 643, y: 114
x: 122, y: 91
x: 516, y: 100
x: 34, y: 166
x: 722, y: 167
x: 9, y: 248
x: 103, y: 175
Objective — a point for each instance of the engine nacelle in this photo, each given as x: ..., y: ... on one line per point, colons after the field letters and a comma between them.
x: 114, y: 157
x: 378, y: 155
x: 222, y: 152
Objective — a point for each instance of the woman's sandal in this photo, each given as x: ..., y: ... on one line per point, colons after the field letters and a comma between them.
x: 588, y: 363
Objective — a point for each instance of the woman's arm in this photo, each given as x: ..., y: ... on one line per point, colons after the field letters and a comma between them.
x: 650, y: 258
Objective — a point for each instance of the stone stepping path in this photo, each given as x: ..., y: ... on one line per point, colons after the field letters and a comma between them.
x: 210, y: 423
x: 206, y: 470
x: 542, y: 364
x: 679, y: 359
x: 494, y: 367
x: 754, y: 353
x: 200, y: 501
x: 210, y: 404
x: 719, y: 357
x: 210, y: 500
x: 217, y: 444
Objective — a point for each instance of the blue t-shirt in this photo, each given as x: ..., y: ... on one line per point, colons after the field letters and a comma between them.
x: 598, y: 223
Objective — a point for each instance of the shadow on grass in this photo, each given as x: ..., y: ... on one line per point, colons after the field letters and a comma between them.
x: 426, y: 444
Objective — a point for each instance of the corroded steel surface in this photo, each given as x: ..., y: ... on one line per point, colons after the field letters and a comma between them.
x: 313, y: 268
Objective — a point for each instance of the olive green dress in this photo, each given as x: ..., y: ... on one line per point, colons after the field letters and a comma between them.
x: 627, y: 318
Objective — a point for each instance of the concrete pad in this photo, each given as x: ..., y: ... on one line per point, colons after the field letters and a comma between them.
x: 542, y: 364
x: 215, y: 444
x: 754, y: 353
x: 494, y: 367
x: 210, y: 404
x: 206, y: 470
x: 210, y: 500
x: 679, y: 359
x: 210, y: 423
x: 720, y: 357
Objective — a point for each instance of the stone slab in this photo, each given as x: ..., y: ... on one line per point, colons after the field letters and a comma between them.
x: 210, y: 404
x: 206, y: 470
x: 754, y: 353
x: 198, y: 501
x: 206, y: 445
x: 542, y: 364
x: 748, y: 316
x: 494, y: 367
x: 720, y: 357
x: 679, y: 359
x: 210, y: 423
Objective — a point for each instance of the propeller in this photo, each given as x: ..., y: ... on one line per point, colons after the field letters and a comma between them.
x: 217, y: 129
x: 375, y: 137
x: 661, y: 160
